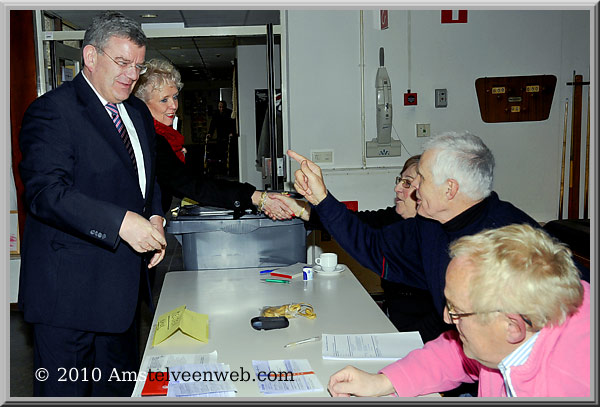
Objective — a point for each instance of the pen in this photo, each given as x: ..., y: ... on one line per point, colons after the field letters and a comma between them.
x: 280, y: 275
x: 313, y: 339
x: 272, y: 280
x: 266, y: 271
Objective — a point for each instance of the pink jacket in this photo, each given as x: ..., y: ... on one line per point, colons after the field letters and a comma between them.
x: 558, y: 366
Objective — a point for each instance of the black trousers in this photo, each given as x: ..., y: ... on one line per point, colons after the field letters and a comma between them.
x: 72, y: 363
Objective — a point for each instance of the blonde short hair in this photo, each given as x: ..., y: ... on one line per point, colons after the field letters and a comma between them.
x: 160, y: 73
x: 521, y: 269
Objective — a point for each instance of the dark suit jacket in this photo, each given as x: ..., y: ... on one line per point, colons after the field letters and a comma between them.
x: 76, y: 272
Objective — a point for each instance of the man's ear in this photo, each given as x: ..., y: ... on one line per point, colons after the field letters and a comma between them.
x: 90, y: 55
x: 516, y: 329
x: 452, y: 188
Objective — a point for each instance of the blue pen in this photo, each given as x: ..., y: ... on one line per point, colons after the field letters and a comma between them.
x: 266, y: 271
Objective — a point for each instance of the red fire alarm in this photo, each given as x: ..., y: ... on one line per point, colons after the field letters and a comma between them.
x: 410, y: 99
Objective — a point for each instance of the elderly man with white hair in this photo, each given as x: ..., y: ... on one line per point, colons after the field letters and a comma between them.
x: 454, y: 198
x: 522, y: 315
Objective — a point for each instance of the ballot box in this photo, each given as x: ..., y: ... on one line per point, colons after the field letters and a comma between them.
x: 215, y: 238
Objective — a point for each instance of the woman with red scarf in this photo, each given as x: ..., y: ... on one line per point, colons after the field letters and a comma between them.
x: 159, y: 88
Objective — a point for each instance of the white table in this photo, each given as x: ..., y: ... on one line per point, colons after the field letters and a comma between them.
x: 232, y: 297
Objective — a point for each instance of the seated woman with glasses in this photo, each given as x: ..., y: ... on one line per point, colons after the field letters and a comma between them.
x: 409, y: 308
x: 159, y: 88
x: 529, y: 339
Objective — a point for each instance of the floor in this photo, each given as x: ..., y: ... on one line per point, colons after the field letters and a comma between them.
x: 21, y: 344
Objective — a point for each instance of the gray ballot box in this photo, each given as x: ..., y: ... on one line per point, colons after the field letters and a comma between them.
x: 212, y: 239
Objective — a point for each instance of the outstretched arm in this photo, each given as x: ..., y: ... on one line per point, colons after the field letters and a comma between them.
x: 351, y: 381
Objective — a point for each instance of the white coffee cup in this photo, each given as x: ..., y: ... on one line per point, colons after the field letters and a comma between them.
x: 327, y: 261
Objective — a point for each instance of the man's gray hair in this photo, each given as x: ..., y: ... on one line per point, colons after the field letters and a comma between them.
x: 465, y: 158
x: 113, y: 24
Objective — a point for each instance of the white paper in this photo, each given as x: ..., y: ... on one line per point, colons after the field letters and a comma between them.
x: 303, y: 379
x: 388, y: 346
x: 160, y: 363
x: 202, y: 380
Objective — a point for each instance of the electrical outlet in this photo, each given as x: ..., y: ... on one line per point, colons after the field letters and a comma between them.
x: 423, y: 130
x: 322, y: 157
x: 441, y: 98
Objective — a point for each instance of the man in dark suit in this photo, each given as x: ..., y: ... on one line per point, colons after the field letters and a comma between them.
x: 95, y: 223
x: 224, y: 126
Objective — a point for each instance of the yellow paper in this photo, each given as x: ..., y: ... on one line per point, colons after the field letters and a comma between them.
x: 188, y: 201
x: 189, y: 322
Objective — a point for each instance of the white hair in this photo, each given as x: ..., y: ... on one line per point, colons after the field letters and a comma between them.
x: 464, y: 158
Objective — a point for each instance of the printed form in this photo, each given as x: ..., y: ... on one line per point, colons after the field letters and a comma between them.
x: 294, y: 376
x: 392, y: 346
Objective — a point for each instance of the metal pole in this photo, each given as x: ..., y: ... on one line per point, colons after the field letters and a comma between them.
x: 272, y: 114
x: 39, y: 50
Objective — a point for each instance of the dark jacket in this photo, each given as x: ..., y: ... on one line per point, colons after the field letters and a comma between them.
x: 409, y: 308
x: 76, y: 272
x: 415, y: 251
x: 176, y: 180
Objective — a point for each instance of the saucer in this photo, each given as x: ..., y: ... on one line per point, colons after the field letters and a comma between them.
x: 337, y: 271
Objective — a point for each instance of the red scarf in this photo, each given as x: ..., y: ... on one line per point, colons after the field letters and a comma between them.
x: 174, y: 138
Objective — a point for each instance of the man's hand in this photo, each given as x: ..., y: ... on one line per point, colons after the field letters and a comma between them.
x: 309, y: 179
x: 351, y: 381
x: 142, y: 235
x: 300, y: 209
x: 157, y: 223
x: 277, y: 209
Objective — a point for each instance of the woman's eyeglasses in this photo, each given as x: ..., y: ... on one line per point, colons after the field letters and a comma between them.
x: 406, y: 183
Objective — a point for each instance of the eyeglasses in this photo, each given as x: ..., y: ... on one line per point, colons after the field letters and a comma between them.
x: 406, y: 183
x: 455, y: 316
x: 123, y: 65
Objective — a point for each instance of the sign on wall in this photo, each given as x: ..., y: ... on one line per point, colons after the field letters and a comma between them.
x: 454, y: 16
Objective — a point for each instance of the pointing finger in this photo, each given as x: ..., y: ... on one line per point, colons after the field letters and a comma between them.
x: 299, y: 158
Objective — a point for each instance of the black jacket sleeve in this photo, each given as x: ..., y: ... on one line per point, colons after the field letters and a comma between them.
x: 175, y: 179
x: 376, y: 219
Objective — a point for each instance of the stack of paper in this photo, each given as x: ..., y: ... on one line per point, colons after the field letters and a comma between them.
x: 292, y: 376
x: 163, y: 363
x: 389, y: 346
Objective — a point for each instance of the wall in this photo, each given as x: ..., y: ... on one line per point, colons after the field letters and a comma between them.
x: 252, y: 74
x: 324, y: 92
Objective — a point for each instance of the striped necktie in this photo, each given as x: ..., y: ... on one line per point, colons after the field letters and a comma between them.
x: 114, y: 112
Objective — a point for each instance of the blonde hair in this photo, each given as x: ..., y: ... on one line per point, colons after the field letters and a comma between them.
x: 521, y: 269
x: 160, y: 73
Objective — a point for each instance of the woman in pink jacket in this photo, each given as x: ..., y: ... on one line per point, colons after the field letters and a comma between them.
x: 523, y: 325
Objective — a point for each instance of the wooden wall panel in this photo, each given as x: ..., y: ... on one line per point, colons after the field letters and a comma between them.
x: 23, y: 89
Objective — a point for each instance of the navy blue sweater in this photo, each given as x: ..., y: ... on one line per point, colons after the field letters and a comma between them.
x: 415, y: 251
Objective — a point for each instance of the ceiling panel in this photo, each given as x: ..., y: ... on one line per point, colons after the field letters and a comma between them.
x: 201, y: 57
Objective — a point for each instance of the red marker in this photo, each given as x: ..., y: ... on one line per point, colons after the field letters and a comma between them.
x: 280, y: 275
